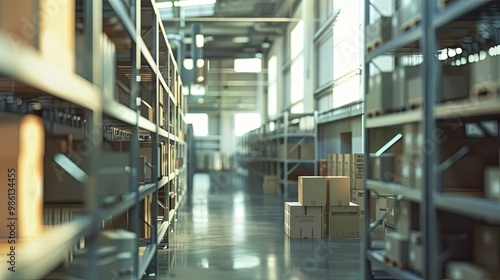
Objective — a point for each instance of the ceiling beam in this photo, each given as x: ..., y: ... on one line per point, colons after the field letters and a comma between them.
x: 233, y: 19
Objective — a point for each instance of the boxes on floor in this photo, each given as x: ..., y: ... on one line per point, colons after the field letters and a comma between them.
x: 323, y: 191
x: 270, y: 184
x: 343, y: 222
x: 358, y: 197
x: 338, y: 190
x: 303, y: 221
x: 323, y: 167
x: 346, y: 169
x: 340, y: 165
x: 357, y: 172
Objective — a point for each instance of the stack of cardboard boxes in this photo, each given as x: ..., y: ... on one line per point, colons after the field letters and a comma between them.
x: 324, y: 209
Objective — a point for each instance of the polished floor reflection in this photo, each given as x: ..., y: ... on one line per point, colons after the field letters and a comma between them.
x: 229, y: 229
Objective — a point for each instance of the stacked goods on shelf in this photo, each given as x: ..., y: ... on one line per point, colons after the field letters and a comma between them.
x: 21, y: 171
x: 486, y: 255
x: 323, y: 209
x: 47, y: 25
x: 270, y: 184
x: 350, y: 165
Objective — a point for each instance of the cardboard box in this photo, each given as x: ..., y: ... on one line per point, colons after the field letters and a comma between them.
x: 406, y: 217
x: 396, y: 248
x: 392, y: 210
x: 343, y: 222
x: 487, y: 246
x: 323, y: 167
x: 332, y: 165
x: 292, y: 153
x: 47, y: 25
x: 492, y: 182
x: 411, y: 160
x: 378, y: 32
x: 379, y: 85
x: 303, y: 221
x: 270, y: 184
x: 382, y: 168
x: 346, y: 169
x: 312, y: 191
x: 358, y: 197
x: 380, y: 207
x: 307, y: 151
x: 21, y: 172
x: 465, y: 271
x: 338, y: 190
x: 416, y: 251
x: 358, y: 172
x: 340, y: 165
x: 146, y: 111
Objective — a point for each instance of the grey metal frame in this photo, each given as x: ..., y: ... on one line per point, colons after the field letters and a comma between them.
x: 23, y: 64
x: 429, y: 197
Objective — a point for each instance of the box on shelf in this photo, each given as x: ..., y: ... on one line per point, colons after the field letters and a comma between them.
x: 270, y: 184
x: 303, y: 221
x: 146, y: 111
x: 411, y: 82
x: 382, y: 167
x: 406, y: 216
x: 396, y: 248
x: 411, y: 160
x: 416, y: 251
x: 306, y: 123
x: 340, y: 165
x: 381, y: 207
x: 307, y: 151
x: 391, y: 210
x: 379, y: 88
x: 378, y: 33
x: 358, y: 172
x: 21, y: 172
x: 487, y: 246
x: 410, y: 14
x: 456, y: 270
x: 455, y: 82
x: 343, y: 222
x: 492, y: 182
x: 47, y: 25
x: 292, y: 153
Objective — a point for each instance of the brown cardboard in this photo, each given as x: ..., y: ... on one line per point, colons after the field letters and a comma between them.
x: 416, y: 251
x: 358, y: 197
x: 487, y: 246
x: 307, y: 151
x: 303, y: 221
x: 292, y: 154
x: 380, y: 207
x: 21, y: 172
x: 332, y: 165
x: 456, y: 270
x: 48, y: 25
x: 346, y: 169
x: 340, y: 165
x: 492, y: 182
x: 406, y: 217
x: 312, y: 191
x: 270, y: 184
x: 396, y: 247
x: 323, y: 167
x: 391, y: 208
x: 339, y: 191
x: 382, y: 167
x: 344, y: 222
x: 358, y: 172
x: 146, y: 111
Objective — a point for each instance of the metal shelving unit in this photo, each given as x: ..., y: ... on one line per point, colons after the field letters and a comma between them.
x: 90, y: 93
x: 443, y: 25
x: 253, y: 148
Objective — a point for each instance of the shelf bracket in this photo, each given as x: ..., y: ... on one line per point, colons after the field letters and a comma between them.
x: 291, y: 170
x: 71, y: 168
x: 388, y: 145
x: 454, y: 158
x: 296, y: 146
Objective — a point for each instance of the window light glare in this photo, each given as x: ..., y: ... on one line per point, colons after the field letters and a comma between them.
x: 458, y: 50
x: 200, y: 63
x: 188, y: 3
x: 164, y: 5
x: 188, y: 63
x: 247, y: 65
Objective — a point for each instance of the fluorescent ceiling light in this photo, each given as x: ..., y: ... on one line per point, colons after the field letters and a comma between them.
x: 247, y: 65
x: 241, y: 40
x: 164, y: 5
x: 188, y: 63
x: 188, y: 3
x: 200, y: 40
x: 200, y: 63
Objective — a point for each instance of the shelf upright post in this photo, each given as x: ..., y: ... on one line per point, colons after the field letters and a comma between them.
x: 153, y: 265
x: 316, y: 143
x: 285, y: 162
x: 366, y: 266
x: 93, y: 129
x: 428, y: 216
x: 135, y: 103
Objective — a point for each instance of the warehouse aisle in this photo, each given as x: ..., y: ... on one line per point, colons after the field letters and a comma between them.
x: 231, y: 230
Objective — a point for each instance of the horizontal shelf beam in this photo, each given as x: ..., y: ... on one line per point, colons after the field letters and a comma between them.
x: 456, y: 10
x: 401, y: 41
x: 24, y: 64
x: 394, y: 119
x: 477, y: 208
x: 384, y: 188
x: 467, y: 109
x: 376, y: 257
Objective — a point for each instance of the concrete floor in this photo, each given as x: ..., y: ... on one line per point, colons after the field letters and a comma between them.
x: 229, y: 229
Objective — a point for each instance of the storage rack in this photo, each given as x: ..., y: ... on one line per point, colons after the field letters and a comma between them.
x: 258, y: 149
x: 91, y: 92
x: 440, y: 22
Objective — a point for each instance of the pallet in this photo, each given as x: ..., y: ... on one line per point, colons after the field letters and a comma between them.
x: 413, y: 22
x: 374, y: 113
x: 390, y: 261
x: 374, y: 44
x: 414, y: 104
x: 484, y: 90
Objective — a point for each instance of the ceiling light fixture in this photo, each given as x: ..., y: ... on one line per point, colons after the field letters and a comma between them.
x: 200, y: 40
x: 266, y: 44
x: 189, y: 3
x: 164, y: 5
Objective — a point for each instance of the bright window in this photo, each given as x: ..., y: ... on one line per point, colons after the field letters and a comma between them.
x: 247, y: 65
x: 245, y: 122
x: 272, y: 90
x: 200, y: 123
x: 297, y: 68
